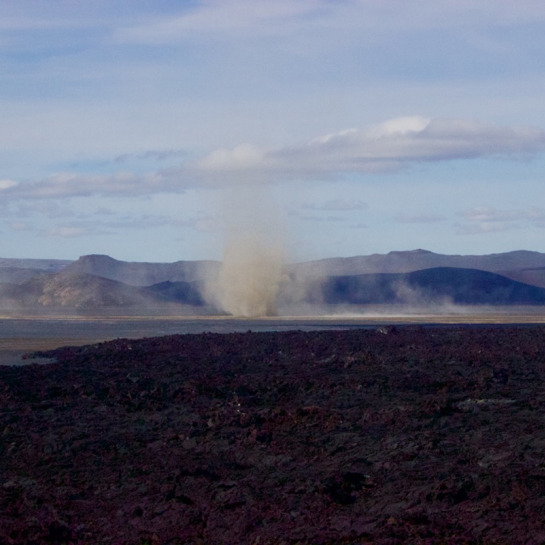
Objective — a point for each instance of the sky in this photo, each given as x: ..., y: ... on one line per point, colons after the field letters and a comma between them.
x: 154, y: 130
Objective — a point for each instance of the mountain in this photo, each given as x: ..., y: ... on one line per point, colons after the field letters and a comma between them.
x: 84, y: 292
x: 430, y: 286
x: 404, y: 262
x: 520, y: 265
x: 100, y: 283
x: 77, y: 291
x: 141, y: 273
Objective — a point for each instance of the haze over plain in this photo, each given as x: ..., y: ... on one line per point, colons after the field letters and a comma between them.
x: 136, y: 129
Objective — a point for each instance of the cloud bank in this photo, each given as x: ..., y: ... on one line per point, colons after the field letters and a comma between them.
x: 391, y: 146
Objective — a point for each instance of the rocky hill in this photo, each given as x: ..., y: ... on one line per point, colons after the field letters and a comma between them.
x: 142, y: 273
x: 418, y: 278
x: 85, y: 292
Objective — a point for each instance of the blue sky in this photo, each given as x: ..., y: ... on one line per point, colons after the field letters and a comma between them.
x: 155, y: 130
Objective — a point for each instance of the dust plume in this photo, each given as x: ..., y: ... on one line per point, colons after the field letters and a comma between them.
x: 251, y: 271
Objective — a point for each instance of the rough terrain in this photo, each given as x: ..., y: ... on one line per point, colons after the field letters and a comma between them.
x: 410, y: 434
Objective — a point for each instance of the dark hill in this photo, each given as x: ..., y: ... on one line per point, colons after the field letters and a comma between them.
x: 436, y: 285
x: 533, y: 275
x: 177, y: 292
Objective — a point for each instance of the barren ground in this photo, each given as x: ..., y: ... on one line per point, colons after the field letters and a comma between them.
x: 401, y: 434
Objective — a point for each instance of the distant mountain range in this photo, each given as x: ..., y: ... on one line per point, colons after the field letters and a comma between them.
x: 437, y: 285
x: 521, y: 265
x: 101, y: 284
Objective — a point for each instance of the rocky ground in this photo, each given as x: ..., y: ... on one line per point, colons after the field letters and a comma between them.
x: 429, y: 435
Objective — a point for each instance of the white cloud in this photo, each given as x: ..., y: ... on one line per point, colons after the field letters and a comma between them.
x: 6, y: 184
x: 67, y: 185
x: 242, y: 157
x: 388, y: 146
x: 398, y: 126
x: 491, y: 215
x: 66, y: 232
x: 484, y: 228
x: 85, y: 227
x: 481, y: 220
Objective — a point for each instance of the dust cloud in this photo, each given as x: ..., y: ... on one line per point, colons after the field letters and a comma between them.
x: 249, y: 277
x: 251, y: 271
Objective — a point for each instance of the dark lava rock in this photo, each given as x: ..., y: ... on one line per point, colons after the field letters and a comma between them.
x: 397, y: 435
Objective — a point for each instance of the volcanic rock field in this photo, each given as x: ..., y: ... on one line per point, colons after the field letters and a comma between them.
x: 382, y: 435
